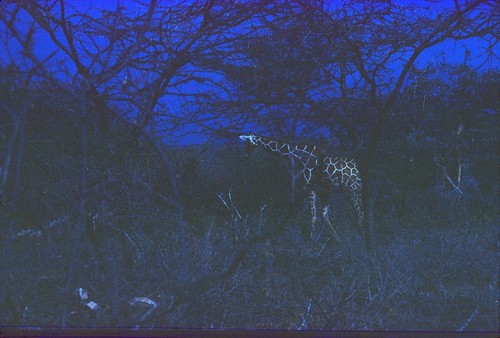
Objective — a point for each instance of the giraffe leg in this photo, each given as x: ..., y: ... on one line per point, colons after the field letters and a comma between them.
x: 327, y: 220
x: 314, y: 217
x: 355, y: 195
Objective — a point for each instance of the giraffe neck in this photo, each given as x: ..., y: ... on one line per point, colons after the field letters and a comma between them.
x: 300, y: 151
x: 307, y: 156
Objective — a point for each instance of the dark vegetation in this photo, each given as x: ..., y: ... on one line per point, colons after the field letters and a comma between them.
x: 199, y: 236
x: 251, y: 264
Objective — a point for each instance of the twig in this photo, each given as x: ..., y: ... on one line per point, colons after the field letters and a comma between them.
x: 445, y: 174
x: 130, y: 240
x: 452, y: 183
x: 145, y: 302
x: 232, y: 204
x: 322, y: 247
x: 28, y: 232
x: 303, y: 325
x: 220, y: 195
x: 467, y: 322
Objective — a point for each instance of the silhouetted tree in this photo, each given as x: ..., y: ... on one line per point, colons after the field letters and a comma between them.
x: 342, y: 67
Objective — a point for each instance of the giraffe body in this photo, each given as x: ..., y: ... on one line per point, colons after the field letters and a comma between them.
x: 317, y: 169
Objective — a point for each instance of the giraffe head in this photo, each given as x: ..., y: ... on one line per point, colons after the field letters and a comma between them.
x: 250, y: 143
x: 251, y: 138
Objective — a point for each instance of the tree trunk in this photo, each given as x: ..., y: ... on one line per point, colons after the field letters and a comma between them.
x: 80, y: 226
x: 293, y: 181
x: 370, y: 193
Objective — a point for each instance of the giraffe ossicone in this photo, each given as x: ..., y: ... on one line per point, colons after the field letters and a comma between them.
x: 317, y: 169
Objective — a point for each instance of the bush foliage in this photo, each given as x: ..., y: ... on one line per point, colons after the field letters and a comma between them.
x: 251, y: 262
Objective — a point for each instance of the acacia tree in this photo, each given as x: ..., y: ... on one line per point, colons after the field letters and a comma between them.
x: 127, y: 67
x: 449, y: 113
x: 14, y: 84
x: 354, y: 78
x: 384, y: 36
x: 268, y: 76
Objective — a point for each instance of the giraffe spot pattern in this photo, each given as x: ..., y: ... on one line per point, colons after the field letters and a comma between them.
x: 340, y: 171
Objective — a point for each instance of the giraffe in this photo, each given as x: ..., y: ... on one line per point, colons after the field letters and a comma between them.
x: 316, y: 168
